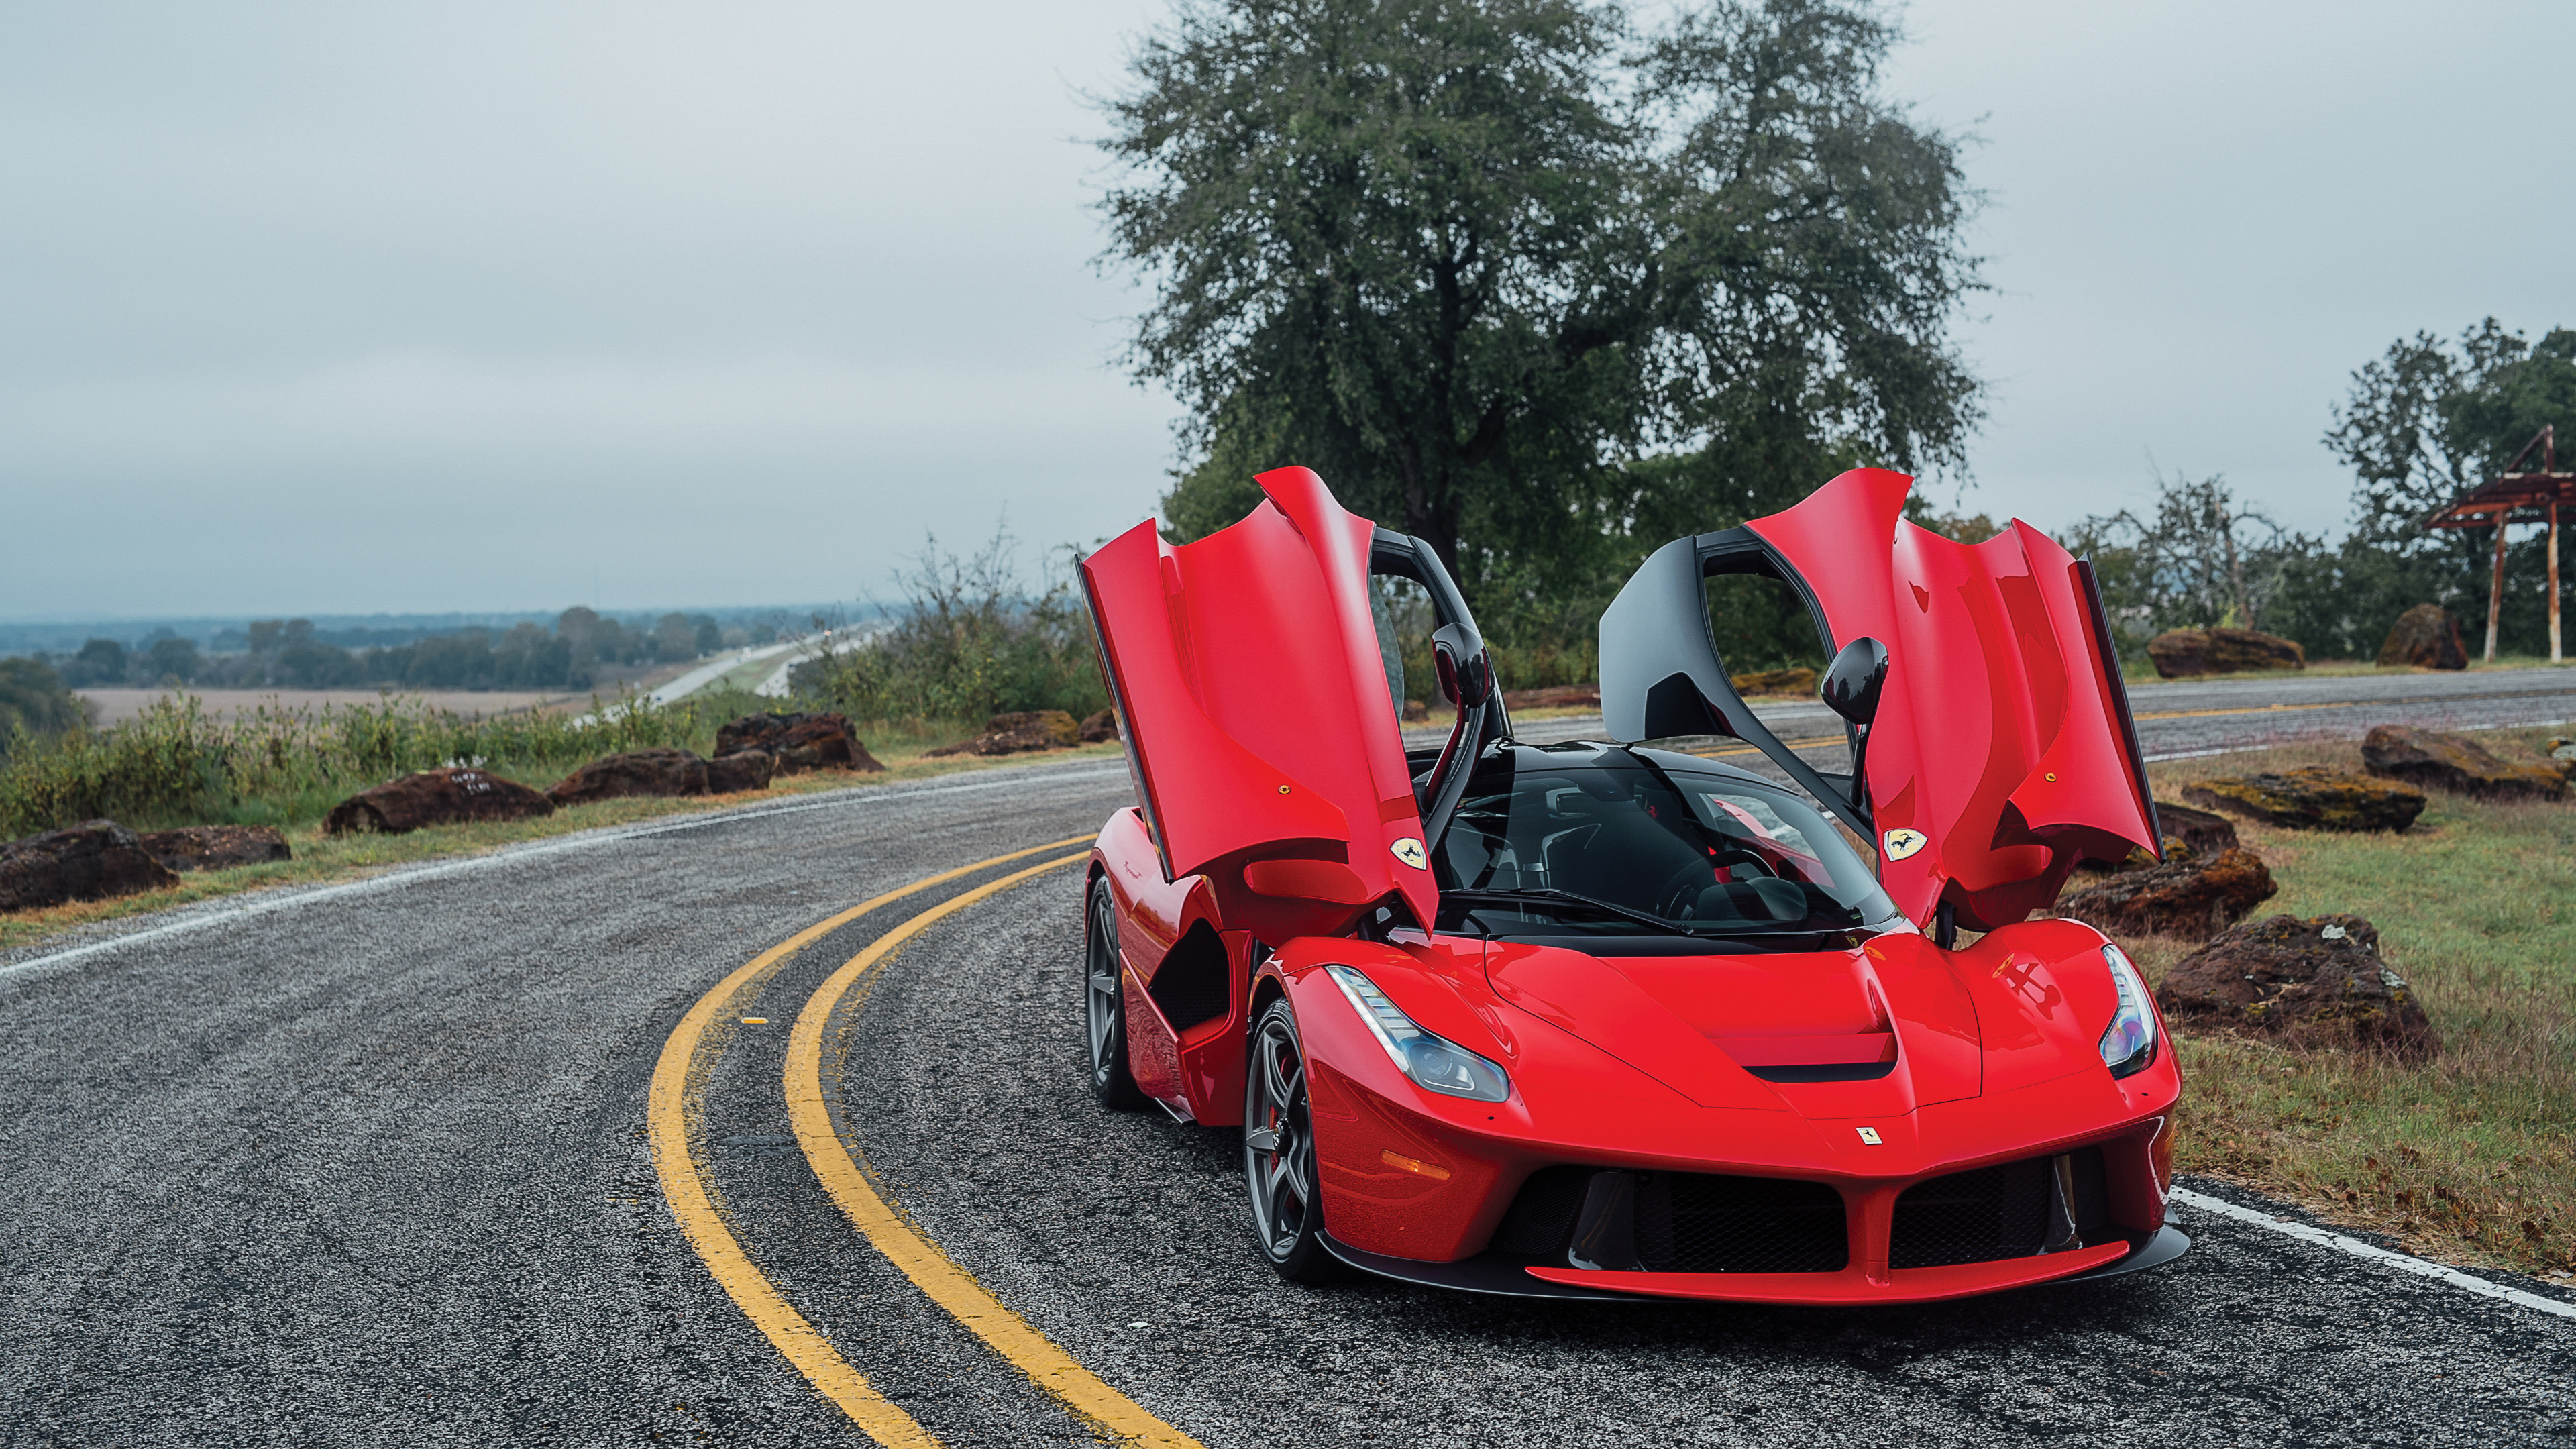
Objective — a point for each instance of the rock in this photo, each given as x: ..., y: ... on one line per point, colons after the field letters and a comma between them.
x: 2319, y: 980
x: 1011, y: 734
x: 657, y: 772
x: 216, y: 847
x: 2461, y: 766
x: 1771, y: 681
x: 1415, y: 711
x: 1100, y: 728
x: 2195, y: 897
x: 2180, y: 652
x: 2198, y: 831
x: 2188, y: 833
x: 2424, y: 637
x: 742, y: 770
x: 2312, y: 797
x: 91, y: 861
x: 435, y: 797
x: 799, y: 742
x: 1555, y: 696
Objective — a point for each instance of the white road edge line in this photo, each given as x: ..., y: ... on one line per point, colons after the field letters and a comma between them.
x: 400, y: 876
x: 2405, y: 1262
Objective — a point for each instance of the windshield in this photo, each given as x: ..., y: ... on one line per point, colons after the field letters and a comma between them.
x: 1709, y: 853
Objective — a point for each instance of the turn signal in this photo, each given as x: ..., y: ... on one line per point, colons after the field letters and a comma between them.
x: 1415, y: 1165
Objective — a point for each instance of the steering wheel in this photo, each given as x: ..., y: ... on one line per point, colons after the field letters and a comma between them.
x: 1681, y: 889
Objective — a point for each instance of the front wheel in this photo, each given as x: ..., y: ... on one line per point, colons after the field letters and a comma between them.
x: 1279, y: 1152
x: 1104, y: 1005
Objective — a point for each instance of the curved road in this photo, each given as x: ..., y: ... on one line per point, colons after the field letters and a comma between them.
x: 370, y: 1164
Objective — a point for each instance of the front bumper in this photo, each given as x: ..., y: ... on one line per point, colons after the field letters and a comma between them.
x: 1502, y: 1275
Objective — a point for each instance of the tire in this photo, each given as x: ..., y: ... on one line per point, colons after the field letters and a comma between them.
x: 1279, y: 1153
x: 1104, y: 1005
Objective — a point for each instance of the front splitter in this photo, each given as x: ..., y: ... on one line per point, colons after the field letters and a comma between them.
x: 1509, y: 1277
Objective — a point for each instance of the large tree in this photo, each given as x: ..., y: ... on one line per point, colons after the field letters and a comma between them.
x: 2430, y: 419
x: 1528, y: 284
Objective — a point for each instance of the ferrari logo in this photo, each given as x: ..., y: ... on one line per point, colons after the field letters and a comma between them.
x: 1869, y: 1135
x: 1902, y: 843
x: 1409, y: 850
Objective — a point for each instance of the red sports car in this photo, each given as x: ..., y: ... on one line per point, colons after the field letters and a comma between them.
x: 1600, y: 1019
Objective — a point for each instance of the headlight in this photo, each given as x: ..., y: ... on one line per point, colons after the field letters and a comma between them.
x: 1435, y: 1064
x: 2130, y: 1044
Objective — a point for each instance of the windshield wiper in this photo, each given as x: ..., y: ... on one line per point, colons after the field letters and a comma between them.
x: 1594, y: 903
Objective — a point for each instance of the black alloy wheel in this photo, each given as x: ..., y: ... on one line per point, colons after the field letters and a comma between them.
x: 1279, y: 1152
x: 1104, y: 1005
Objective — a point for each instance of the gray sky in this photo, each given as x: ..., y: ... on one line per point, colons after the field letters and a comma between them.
x: 343, y: 308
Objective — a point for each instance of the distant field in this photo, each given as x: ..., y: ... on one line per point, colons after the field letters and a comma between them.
x: 118, y: 705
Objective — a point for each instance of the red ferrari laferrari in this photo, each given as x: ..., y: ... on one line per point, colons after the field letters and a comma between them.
x: 1600, y: 1019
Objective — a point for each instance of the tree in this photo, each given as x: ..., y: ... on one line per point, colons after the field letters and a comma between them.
x: 35, y: 701
x: 2427, y: 421
x: 2206, y: 558
x: 1480, y: 262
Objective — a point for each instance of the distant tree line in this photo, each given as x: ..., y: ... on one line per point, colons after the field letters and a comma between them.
x: 285, y: 653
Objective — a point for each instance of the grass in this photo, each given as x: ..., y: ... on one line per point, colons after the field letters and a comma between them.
x: 2137, y: 668
x: 2470, y: 1155
x: 322, y: 858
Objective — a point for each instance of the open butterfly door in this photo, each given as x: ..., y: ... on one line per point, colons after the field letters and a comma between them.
x: 2002, y: 750
x: 1254, y: 705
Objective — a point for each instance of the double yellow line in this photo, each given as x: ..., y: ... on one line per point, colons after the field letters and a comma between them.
x: 673, y: 1109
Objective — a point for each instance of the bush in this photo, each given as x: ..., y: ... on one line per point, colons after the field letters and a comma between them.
x: 969, y: 643
x: 177, y: 765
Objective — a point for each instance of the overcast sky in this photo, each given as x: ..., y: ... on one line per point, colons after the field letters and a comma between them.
x: 343, y: 308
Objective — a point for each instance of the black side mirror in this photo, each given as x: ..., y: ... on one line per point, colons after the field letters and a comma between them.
x: 1466, y: 670
x: 1853, y: 680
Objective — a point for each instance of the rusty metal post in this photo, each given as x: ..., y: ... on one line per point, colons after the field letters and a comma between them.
x: 2495, y: 592
x: 2554, y: 655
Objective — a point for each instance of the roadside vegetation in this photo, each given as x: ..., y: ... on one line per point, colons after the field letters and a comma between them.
x: 2470, y: 1154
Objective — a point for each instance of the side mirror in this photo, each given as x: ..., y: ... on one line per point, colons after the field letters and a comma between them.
x: 1853, y: 680
x: 1466, y: 670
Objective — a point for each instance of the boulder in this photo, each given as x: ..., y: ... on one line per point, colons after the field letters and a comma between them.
x: 2449, y: 762
x: 799, y: 742
x: 2188, y: 833
x: 2319, y: 980
x: 435, y: 797
x: 90, y: 861
x: 2195, y: 896
x: 742, y: 770
x: 1100, y: 729
x: 1555, y: 696
x: 2198, y: 831
x: 1015, y: 733
x: 2312, y: 797
x: 657, y: 772
x: 2180, y: 652
x: 1770, y: 681
x: 1415, y: 711
x: 216, y: 847
x: 2424, y: 637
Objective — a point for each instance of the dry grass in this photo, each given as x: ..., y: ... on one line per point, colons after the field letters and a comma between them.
x: 322, y: 858
x: 2471, y: 1155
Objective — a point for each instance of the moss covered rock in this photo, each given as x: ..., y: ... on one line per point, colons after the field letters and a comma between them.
x: 2319, y: 981
x: 2181, y: 652
x: 2457, y: 764
x: 2194, y: 896
x: 2312, y: 797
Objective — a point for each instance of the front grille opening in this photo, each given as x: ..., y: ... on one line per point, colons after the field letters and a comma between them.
x: 1687, y: 1222
x: 1994, y: 1213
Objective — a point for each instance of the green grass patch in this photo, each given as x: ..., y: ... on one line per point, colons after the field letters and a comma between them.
x: 2472, y: 1154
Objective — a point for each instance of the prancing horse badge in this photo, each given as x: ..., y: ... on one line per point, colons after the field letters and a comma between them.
x: 1870, y: 1135
x: 1409, y: 850
x: 1902, y: 843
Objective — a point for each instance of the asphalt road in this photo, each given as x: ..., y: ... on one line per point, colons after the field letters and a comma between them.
x: 369, y: 1165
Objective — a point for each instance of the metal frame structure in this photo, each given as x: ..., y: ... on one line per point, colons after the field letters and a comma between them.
x: 2516, y: 497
